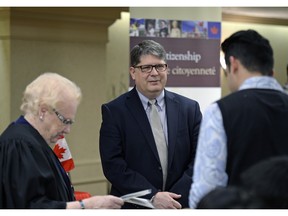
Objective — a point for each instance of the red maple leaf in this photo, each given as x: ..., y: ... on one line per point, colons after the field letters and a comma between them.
x: 214, y: 30
x: 59, y: 151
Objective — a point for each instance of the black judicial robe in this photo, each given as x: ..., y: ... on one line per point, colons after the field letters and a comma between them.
x: 30, y: 173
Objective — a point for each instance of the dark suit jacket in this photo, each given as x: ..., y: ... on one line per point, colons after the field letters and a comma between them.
x: 128, y: 151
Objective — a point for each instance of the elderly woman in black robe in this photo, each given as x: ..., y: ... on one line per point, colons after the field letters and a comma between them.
x: 31, y: 175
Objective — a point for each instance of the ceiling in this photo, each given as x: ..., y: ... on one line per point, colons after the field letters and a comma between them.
x: 262, y: 12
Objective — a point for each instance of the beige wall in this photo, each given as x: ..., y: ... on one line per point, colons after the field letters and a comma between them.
x: 4, y: 68
x: 181, y: 13
x: 117, y: 66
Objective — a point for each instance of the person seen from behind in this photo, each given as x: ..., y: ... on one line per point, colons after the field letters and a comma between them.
x: 246, y: 126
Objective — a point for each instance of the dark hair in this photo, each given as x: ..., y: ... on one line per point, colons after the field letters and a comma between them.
x: 146, y: 47
x: 251, y: 49
x: 269, y: 180
x: 230, y: 198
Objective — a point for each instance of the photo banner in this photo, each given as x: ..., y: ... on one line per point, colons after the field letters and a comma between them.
x: 193, y: 49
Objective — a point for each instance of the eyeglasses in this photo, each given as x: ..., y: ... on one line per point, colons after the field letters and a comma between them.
x: 63, y: 119
x: 148, y: 68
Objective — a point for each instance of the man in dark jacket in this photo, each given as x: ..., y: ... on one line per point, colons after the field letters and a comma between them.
x: 129, y: 151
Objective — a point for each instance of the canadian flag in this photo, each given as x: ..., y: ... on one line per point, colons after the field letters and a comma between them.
x: 63, y: 153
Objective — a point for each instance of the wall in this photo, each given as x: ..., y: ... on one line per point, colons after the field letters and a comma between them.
x: 117, y: 67
x: 5, y: 93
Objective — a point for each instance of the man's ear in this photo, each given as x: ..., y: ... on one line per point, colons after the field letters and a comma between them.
x: 132, y: 72
x: 234, y: 64
x: 272, y: 73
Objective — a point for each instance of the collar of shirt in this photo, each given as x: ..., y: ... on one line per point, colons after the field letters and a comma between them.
x: 263, y: 82
x: 160, y: 100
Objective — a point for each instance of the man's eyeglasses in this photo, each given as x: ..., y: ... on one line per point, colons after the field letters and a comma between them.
x: 63, y: 119
x: 148, y: 68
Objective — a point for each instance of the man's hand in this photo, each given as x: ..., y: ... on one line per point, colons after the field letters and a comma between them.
x: 166, y: 200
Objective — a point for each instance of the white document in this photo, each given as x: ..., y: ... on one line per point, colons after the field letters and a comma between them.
x: 134, y: 198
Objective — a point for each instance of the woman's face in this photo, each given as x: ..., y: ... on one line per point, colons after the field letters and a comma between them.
x: 57, y: 122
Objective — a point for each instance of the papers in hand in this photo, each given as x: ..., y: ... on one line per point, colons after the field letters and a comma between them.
x: 134, y: 198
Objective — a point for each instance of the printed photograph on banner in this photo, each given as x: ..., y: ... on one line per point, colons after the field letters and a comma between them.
x: 175, y: 29
x: 137, y: 27
x: 194, y: 29
x: 163, y: 27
